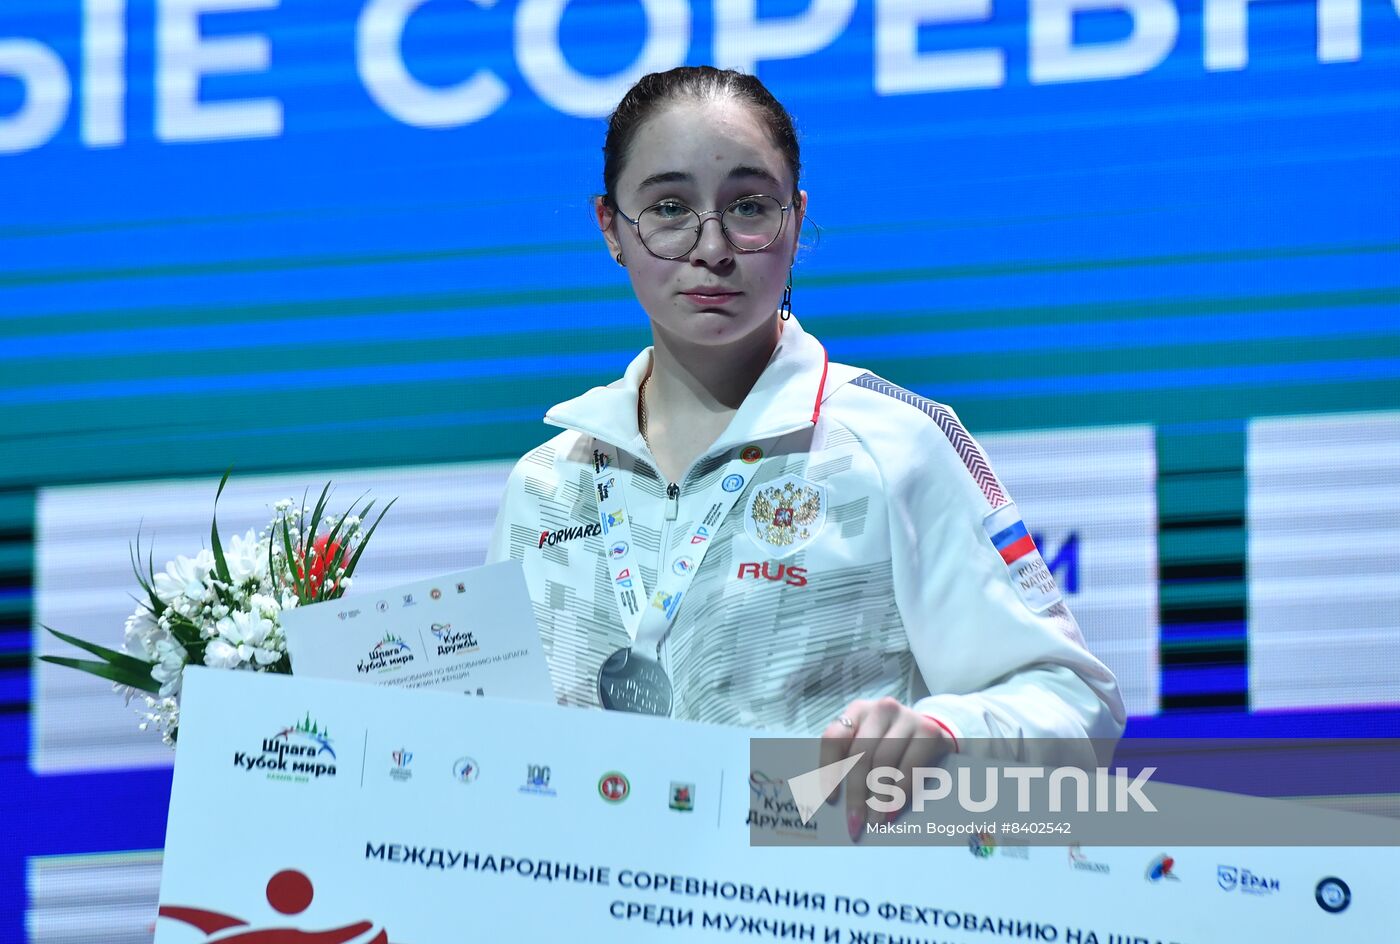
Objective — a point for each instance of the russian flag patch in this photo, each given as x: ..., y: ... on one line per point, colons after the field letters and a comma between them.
x: 1031, y: 579
x: 1014, y: 543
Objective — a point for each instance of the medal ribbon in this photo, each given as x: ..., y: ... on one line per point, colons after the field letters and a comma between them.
x: 648, y: 620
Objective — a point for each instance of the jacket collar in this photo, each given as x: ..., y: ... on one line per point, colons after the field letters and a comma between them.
x: 787, y: 397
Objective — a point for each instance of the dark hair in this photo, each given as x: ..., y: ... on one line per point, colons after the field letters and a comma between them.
x: 692, y: 83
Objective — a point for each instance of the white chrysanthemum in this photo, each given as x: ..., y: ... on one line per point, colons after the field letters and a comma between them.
x: 186, y: 578
x: 170, y: 667
x: 264, y: 604
x: 246, y: 557
x: 247, y: 634
x: 244, y: 628
x: 220, y: 655
x: 142, y: 634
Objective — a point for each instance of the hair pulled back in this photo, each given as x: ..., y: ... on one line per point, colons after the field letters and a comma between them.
x: 657, y: 90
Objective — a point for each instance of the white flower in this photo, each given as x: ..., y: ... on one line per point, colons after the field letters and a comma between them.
x: 164, y: 713
x: 264, y: 604
x: 246, y: 558
x: 240, y: 628
x: 220, y: 655
x: 142, y: 634
x: 184, y: 577
x: 170, y: 667
x: 247, y: 634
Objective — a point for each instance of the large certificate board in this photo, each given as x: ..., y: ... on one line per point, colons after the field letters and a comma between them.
x: 336, y: 812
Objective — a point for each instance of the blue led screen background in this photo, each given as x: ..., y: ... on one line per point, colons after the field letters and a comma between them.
x: 343, y: 236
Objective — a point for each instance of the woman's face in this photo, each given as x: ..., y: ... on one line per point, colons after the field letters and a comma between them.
x: 704, y: 155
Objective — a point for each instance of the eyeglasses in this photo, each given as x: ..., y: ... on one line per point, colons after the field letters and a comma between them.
x: 670, y: 229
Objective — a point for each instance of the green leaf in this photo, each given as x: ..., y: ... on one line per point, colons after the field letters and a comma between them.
x: 364, y: 543
x: 186, y: 633
x: 340, y: 553
x: 220, y: 565
x: 332, y: 581
x: 271, y: 560
x: 119, y: 659
x: 110, y: 672
x: 157, y: 606
x: 309, y: 539
x: 292, y: 562
x: 364, y: 512
x: 151, y: 567
x: 317, y: 512
x: 222, y: 482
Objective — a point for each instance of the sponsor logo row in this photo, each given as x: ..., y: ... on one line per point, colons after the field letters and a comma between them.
x: 613, y: 786
x: 304, y: 751
x: 1331, y: 893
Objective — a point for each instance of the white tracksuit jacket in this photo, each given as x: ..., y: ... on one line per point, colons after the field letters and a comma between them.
x: 860, y: 561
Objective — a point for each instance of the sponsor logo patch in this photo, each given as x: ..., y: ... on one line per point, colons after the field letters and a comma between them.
x: 1333, y: 895
x: 465, y: 770
x: 613, y: 787
x: 1231, y: 878
x: 551, y: 538
x: 1162, y: 869
x: 667, y: 603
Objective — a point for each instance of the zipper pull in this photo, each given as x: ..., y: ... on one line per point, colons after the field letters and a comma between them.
x: 673, y: 501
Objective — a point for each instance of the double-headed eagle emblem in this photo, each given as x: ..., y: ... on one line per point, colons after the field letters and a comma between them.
x: 784, y: 516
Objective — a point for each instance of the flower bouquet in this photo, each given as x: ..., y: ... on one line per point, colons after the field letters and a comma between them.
x: 222, y: 607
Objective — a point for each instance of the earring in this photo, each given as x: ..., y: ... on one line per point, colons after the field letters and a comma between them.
x: 785, y: 306
x: 618, y: 257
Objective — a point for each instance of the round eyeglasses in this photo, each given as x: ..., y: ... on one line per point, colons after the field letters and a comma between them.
x: 670, y: 229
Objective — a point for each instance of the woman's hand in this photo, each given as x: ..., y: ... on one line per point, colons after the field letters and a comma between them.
x: 890, y: 734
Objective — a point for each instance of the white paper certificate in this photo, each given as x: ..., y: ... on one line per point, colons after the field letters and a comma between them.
x: 312, y: 811
x: 471, y: 632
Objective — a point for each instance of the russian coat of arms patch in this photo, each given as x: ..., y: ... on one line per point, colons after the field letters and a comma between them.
x: 785, y: 515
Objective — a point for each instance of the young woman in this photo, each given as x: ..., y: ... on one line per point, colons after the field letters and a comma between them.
x: 739, y: 531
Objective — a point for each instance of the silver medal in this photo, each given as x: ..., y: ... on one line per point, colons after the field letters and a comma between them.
x: 631, y: 682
